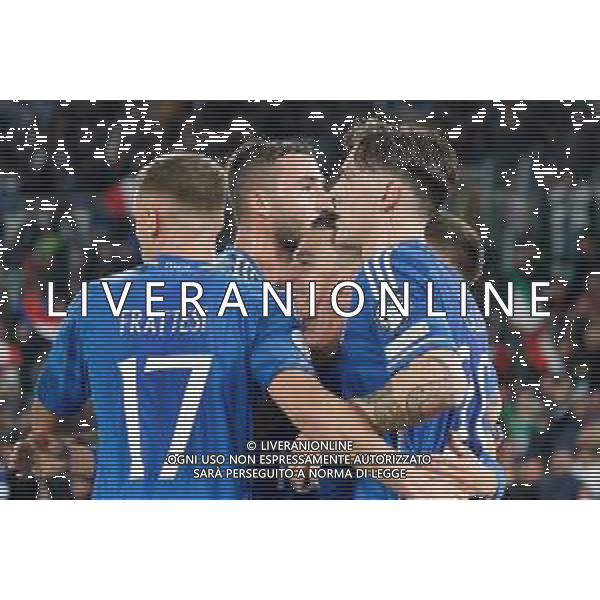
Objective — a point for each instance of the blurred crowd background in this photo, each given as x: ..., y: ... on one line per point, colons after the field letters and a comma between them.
x: 531, y: 175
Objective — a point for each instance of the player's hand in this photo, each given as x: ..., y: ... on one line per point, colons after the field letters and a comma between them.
x: 302, y: 483
x: 80, y: 467
x: 42, y: 455
x: 439, y: 480
x: 479, y: 479
x: 455, y: 474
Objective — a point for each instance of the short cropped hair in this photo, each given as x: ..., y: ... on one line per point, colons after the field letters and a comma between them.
x: 250, y: 161
x: 195, y: 180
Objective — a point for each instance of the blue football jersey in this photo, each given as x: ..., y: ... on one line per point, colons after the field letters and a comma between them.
x: 167, y: 384
x: 375, y: 348
x: 271, y: 423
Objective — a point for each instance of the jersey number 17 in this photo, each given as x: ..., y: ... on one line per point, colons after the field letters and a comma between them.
x: 199, y: 366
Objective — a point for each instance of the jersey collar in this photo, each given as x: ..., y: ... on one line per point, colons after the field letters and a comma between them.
x: 416, y: 245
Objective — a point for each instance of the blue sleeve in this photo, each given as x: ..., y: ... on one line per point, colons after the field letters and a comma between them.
x: 62, y: 383
x: 487, y: 382
x: 278, y: 347
x: 408, y: 338
x: 375, y: 346
x: 475, y: 421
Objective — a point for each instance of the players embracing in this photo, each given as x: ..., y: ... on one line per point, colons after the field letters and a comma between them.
x: 198, y: 390
x: 423, y: 371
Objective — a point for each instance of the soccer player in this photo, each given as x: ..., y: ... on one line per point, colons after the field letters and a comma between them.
x: 163, y: 382
x: 428, y: 378
x: 277, y: 189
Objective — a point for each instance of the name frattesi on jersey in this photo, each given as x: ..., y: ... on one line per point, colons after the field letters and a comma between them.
x: 390, y: 304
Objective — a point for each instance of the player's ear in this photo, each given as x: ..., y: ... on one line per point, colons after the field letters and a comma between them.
x: 153, y: 220
x: 392, y: 196
x: 144, y: 222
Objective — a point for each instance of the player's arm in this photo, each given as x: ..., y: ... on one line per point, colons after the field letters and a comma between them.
x: 40, y: 451
x: 429, y: 385
x: 61, y: 391
x: 280, y: 362
x: 320, y: 415
x: 429, y: 377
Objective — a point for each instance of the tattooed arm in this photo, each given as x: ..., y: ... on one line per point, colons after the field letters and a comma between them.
x: 431, y: 384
